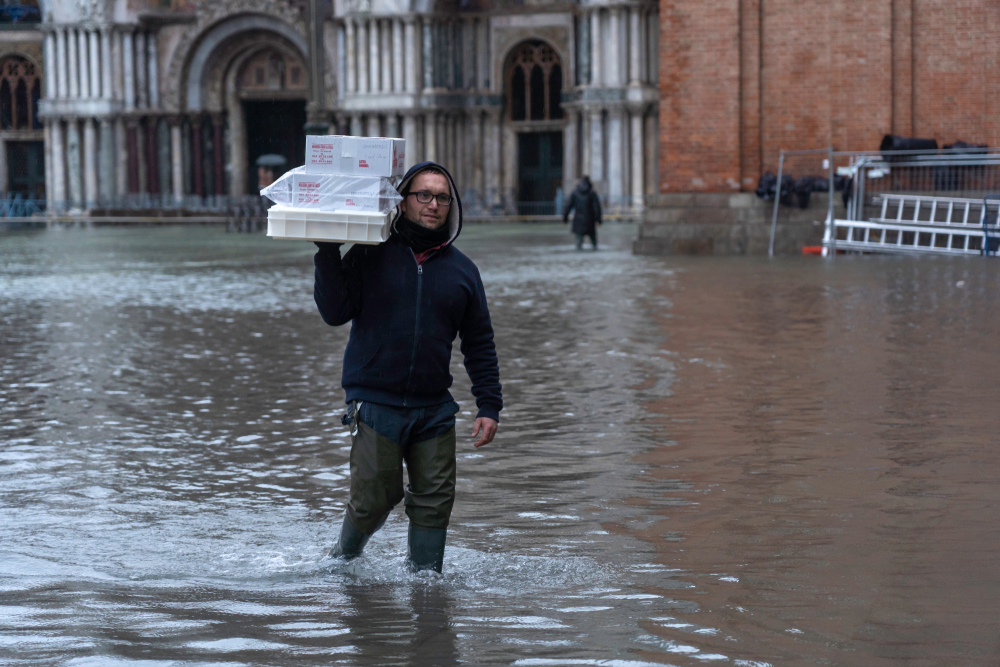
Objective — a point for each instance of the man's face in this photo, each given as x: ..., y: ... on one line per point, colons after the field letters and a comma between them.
x: 431, y: 215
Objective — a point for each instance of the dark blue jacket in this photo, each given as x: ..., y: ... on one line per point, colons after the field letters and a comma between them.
x: 406, y: 317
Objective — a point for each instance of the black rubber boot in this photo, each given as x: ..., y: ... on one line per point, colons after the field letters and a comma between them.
x: 351, y: 542
x: 426, y: 548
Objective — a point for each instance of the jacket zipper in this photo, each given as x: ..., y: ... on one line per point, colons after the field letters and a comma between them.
x: 416, y: 328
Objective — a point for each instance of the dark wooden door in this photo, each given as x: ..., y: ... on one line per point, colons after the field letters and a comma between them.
x: 540, y: 172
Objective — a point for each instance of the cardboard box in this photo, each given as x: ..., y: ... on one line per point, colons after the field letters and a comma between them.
x: 358, y: 156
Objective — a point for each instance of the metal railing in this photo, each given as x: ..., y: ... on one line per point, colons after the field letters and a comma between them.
x: 923, y: 183
x: 14, y: 205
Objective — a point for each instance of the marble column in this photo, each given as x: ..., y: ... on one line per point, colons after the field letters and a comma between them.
x: 142, y: 174
x: 410, y: 136
x: 73, y: 162
x: 3, y: 167
x: 51, y: 89
x: 638, y: 180
x: 84, y: 62
x: 410, y: 84
x: 596, y: 146
x: 427, y: 52
x: 176, y: 160
x: 61, y: 65
x: 491, y: 157
x: 94, y: 42
x: 374, y: 57
x: 585, y: 158
x: 106, y: 68
x: 152, y: 75
x: 152, y: 155
x: 386, y: 54
x: 141, y: 90
x: 455, y: 143
x: 163, y: 162
x: 617, y: 164
x: 128, y: 59
x: 398, y: 73
x: 653, y: 47
x: 217, y: 148
x: 483, y: 54
x: 89, y: 163
x: 635, y: 45
x: 121, y: 159
x: 49, y: 187
x: 652, y: 152
x: 596, y: 50
x: 239, y: 157
x: 508, y: 193
x: 392, y: 124
x: 372, y: 126
x: 350, y: 56
x: 476, y: 131
x: 73, y: 49
x: 106, y: 168
x: 197, y: 163
x: 362, y: 37
x: 58, y: 165
x: 430, y: 137
x: 569, y: 154
x: 614, y: 54
x: 356, y: 125
x: 117, y: 67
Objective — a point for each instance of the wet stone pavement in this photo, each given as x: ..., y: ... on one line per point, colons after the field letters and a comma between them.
x: 711, y: 461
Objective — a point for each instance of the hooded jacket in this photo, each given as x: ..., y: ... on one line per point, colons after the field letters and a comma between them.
x: 406, y: 316
x: 586, y: 207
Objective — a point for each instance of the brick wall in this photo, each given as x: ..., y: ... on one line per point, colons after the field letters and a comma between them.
x: 742, y: 79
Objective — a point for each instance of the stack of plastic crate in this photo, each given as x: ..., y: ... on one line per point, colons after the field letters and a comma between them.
x: 345, y: 191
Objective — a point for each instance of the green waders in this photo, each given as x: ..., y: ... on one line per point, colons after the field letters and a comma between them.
x: 377, y: 478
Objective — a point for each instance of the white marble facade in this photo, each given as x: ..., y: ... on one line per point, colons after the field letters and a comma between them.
x: 142, y: 108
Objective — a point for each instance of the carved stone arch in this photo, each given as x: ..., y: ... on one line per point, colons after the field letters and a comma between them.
x: 215, y: 19
x: 205, y: 57
x: 232, y: 53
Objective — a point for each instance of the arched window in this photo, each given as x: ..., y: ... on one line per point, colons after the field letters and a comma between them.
x: 20, y: 88
x: 534, y: 82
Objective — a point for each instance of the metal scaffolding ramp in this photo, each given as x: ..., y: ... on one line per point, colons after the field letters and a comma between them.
x: 918, y: 224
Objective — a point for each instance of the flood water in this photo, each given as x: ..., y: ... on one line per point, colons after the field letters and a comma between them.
x: 701, y: 461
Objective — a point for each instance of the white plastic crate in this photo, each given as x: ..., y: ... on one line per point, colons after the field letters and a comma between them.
x: 301, y: 224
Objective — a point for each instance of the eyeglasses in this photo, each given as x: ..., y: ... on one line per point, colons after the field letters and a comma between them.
x: 425, y: 197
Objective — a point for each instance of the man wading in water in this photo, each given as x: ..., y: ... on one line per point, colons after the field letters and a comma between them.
x: 409, y: 297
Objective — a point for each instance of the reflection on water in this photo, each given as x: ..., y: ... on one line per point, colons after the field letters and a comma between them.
x: 712, y: 461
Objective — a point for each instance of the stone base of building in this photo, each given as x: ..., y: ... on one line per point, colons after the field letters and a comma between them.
x: 728, y: 224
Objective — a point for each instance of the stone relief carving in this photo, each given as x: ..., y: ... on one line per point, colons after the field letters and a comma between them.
x: 208, y: 15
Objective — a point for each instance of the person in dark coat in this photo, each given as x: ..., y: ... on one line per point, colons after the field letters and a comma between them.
x: 408, y: 299
x: 587, y: 212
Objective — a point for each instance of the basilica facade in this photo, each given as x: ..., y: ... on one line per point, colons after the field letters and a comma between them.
x: 167, y: 105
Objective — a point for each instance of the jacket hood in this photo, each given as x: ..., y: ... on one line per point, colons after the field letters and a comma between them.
x: 583, y: 187
x: 454, y: 219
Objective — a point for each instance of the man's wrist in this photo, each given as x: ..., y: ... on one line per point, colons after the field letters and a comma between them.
x: 489, y: 413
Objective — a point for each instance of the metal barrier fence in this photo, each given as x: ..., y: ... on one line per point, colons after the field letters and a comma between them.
x: 15, y: 206
x: 869, y: 180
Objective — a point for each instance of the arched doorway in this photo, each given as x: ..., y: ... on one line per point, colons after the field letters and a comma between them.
x: 246, y: 75
x: 533, y: 81
x: 271, y: 86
